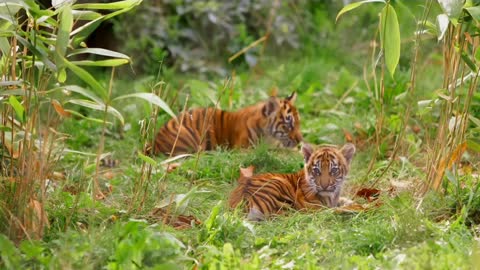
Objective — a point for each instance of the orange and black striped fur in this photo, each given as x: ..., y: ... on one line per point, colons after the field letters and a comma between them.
x: 207, y: 128
x: 317, y: 185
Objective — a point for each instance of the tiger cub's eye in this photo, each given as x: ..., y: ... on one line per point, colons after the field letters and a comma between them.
x: 316, y: 170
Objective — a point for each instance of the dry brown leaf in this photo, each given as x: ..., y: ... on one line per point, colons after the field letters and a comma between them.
x: 370, y: 194
x: 172, y: 166
x: 356, y: 208
x: 416, y: 129
x: 109, y: 175
x: 456, y: 155
x: 179, y: 222
x: 362, y: 133
x: 58, y: 176
x: 348, y: 136
x: 35, y: 219
x: 59, y: 109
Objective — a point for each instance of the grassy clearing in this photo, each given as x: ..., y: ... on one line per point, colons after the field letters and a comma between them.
x: 126, y: 230
x: 121, y: 233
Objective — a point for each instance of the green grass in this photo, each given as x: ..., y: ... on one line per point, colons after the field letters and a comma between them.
x: 120, y: 232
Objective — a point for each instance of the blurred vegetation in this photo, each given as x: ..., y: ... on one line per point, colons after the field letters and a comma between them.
x: 200, y: 36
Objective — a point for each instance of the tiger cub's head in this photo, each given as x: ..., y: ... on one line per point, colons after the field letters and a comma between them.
x: 326, y: 169
x: 283, y: 121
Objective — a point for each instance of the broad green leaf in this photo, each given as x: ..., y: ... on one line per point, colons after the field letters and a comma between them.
x: 469, y: 61
x: 100, y: 51
x: 63, y: 34
x: 355, y: 5
x: 87, y: 78
x: 152, y: 99
x: 101, y: 63
x: 390, y: 37
x: 473, y: 145
x: 35, y: 10
x: 4, y: 45
x: 62, y: 75
x: 18, y: 108
x: 147, y: 159
x: 39, y: 53
x: 85, y: 15
x: 5, y: 128
x: 453, y: 8
x: 474, y: 12
x: 80, y: 90
x: 96, y: 120
x: 213, y: 216
x: 114, y: 5
x: 62, y: 40
x: 81, y: 33
x: 99, y: 107
x: 475, y: 120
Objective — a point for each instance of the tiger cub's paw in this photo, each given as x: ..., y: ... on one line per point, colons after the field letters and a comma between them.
x: 343, y: 201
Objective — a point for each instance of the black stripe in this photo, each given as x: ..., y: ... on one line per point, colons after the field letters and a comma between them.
x: 267, y: 199
x: 257, y: 204
x: 221, y: 120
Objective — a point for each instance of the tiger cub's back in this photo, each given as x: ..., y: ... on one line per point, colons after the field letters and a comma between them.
x: 207, y: 128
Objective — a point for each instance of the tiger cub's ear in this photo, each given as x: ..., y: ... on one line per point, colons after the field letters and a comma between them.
x: 307, y: 151
x: 347, y: 151
x: 292, y: 97
x: 247, y: 172
x: 271, y: 106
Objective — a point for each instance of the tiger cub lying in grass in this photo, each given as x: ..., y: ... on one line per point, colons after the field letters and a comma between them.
x: 317, y: 185
x: 205, y: 128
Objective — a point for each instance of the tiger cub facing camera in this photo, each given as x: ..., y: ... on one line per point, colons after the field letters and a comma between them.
x: 317, y: 185
x: 207, y: 128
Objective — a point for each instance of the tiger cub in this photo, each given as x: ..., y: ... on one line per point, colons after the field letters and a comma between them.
x: 317, y: 185
x: 207, y: 128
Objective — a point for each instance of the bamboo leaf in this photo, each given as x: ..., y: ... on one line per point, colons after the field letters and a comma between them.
x: 114, y: 5
x: 79, y: 90
x: 99, y: 107
x: 152, y: 99
x: 355, y: 5
x: 85, y: 15
x: 96, y: 120
x: 100, y: 51
x: 147, y: 159
x: 81, y: 33
x: 390, y: 37
x: 18, y: 108
x: 101, y: 63
x: 473, y: 145
x: 39, y: 53
x: 87, y: 78
x: 469, y: 61
x: 64, y: 29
